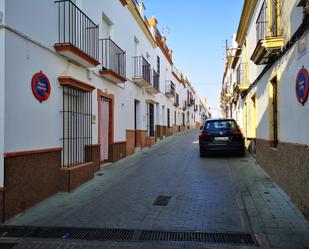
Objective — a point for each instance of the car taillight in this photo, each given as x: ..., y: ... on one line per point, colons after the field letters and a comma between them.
x: 205, y: 134
x: 237, y: 133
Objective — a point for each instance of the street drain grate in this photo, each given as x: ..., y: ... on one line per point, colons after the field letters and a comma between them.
x: 200, y: 237
x: 110, y: 235
x: 92, y: 234
x: 162, y: 200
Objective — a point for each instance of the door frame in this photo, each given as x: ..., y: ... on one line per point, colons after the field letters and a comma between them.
x: 111, y: 98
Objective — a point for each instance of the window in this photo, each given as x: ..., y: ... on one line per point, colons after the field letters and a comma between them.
x: 107, y: 26
x: 217, y: 126
x: 150, y: 119
x: 175, y: 118
x: 158, y: 64
x: 168, y: 118
x: 77, y: 127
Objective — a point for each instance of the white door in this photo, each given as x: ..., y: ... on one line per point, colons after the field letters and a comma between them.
x: 104, y: 128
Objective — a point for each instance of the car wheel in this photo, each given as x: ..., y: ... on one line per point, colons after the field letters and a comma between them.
x: 242, y: 153
x: 202, y: 153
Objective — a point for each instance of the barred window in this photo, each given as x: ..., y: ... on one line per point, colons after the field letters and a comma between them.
x: 77, y: 127
x: 150, y: 119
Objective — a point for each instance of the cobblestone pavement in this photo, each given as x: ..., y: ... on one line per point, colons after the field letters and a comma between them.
x: 222, y: 194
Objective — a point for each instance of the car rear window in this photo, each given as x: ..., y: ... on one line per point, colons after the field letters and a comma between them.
x: 220, y: 125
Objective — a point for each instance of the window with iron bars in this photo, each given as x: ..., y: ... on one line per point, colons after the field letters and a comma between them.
x: 77, y: 127
x: 150, y: 119
x: 267, y: 24
x: 168, y: 118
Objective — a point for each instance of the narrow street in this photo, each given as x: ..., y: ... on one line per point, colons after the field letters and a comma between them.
x: 216, y: 194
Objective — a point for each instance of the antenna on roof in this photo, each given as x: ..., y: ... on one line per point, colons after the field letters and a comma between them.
x: 166, y: 31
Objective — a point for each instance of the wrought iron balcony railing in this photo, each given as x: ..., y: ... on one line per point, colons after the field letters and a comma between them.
x: 170, y: 88
x: 113, y: 58
x: 77, y: 29
x: 142, y: 68
x: 241, y: 73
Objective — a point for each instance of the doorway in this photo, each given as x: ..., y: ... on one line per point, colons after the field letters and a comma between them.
x: 274, y: 112
x: 105, y: 124
x: 136, y: 121
x: 104, y: 128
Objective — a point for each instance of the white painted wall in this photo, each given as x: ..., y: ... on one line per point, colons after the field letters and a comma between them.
x: 32, y: 125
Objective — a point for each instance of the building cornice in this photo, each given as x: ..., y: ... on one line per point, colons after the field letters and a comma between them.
x: 132, y: 8
x: 246, y: 16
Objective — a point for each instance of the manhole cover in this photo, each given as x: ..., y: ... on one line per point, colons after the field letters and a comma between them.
x: 162, y: 200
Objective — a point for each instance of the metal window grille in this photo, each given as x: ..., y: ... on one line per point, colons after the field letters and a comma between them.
x: 150, y: 119
x: 76, y: 28
x: 77, y: 127
x: 265, y: 27
x: 168, y: 118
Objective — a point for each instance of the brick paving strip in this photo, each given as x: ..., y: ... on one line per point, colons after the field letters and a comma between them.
x: 216, y: 194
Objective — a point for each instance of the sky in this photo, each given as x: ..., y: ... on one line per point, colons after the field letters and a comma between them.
x: 197, y: 33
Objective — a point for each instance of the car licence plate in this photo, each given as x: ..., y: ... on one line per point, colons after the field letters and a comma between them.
x: 221, y: 138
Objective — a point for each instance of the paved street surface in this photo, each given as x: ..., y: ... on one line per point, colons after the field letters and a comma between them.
x: 217, y: 194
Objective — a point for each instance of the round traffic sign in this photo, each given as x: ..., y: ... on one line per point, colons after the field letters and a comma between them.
x: 40, y: 86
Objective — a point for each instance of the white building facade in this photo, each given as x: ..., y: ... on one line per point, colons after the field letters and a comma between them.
x: 81, y: 83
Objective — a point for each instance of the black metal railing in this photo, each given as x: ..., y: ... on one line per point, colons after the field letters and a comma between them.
x: 141, y: 68
x: 77, y: 127
x: 264, y: 26
x: 240, y: 73
x: 77, y: 29
x: 176, y: 103
x: 113, y: 57
x: 170, y: 87
x: 155, y: 80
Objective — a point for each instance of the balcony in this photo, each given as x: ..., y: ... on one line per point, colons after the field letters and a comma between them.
x: 154, y: 88
x: 78, y: 36
x: 142, y: 72
x: 269, y: 39
x: 113, y: 62
x: 176, y: 102
x: 170, y: 89
x: 241, y: 83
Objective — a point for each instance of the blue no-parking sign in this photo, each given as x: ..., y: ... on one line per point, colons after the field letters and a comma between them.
x: 302, y: 86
